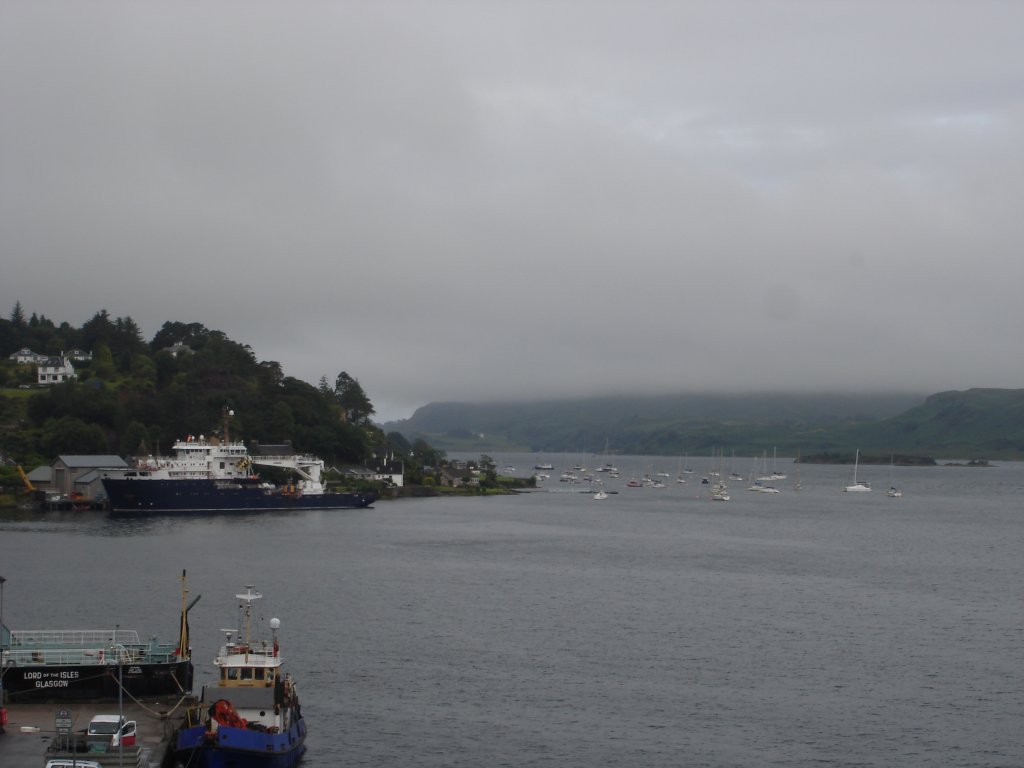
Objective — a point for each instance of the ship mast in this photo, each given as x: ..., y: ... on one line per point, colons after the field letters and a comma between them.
x: 225, y: 414
x: 183, y: 639
x: 184, y: 651
x: 249, y: 596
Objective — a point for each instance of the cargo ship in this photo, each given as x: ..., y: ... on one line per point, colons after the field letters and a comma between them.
x: 93, y: 664
x: 217, y: 475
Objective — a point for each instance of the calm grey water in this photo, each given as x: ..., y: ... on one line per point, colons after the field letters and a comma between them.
x: 655, y: 628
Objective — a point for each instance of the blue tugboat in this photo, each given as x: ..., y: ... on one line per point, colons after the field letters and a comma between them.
x: 252, y: 717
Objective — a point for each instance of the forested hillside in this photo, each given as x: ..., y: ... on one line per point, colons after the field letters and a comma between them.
x: 136, y: 396
x: 973, y: 423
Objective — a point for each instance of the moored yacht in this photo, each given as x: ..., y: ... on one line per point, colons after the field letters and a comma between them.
x: 855, y: 485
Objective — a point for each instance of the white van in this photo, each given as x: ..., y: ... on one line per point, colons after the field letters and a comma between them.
x: 65, y: 762
x: 110, y: 732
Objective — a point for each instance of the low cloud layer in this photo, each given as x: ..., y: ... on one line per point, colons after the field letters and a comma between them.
x: 512, y: 200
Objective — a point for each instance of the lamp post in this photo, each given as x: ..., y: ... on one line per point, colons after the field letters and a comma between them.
x: 3, y: 646
x: 117, y: 648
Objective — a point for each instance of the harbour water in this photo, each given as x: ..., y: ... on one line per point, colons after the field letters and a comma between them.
x: 653, y: 628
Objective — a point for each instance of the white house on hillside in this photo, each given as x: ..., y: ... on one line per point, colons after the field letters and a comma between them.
x: 390, y: 471
x: 26, y: 356
x: 179, y: 348
x: 80, y: 356
x: 55, y: 370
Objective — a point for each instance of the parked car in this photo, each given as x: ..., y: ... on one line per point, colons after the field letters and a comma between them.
x: 110, y: 732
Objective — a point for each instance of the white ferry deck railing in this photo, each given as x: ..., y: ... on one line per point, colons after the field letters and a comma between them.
x: 94, y: 655
x: 287, y: 457
x: 92, y: 638
x: 85, y: 656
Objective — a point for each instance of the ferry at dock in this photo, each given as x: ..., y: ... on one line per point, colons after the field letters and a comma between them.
x: 60, y: 665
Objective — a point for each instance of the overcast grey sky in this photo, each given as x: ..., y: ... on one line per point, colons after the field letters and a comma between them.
x: 484, y: 200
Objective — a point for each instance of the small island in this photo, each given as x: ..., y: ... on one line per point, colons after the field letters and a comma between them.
x: 896, y: 459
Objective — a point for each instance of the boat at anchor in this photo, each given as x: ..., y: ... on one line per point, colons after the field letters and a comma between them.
x: 251, y: 718
x: 857, y: 486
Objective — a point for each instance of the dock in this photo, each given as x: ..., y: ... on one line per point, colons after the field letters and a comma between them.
x: 31, y: 735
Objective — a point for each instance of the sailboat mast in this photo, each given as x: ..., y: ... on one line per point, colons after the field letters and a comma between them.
x: 183, y: 629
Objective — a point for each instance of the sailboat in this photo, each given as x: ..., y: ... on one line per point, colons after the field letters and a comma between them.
x: 680, y: 478
x: 686, y: 470
x: 756, y: 483
x: 893, y: 492
x: 776, y: 475
x: 857, y: 486
x: 732, y: 473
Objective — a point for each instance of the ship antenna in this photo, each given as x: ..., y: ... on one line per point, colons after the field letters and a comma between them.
x: 248, y: 597
x: 226, y: 413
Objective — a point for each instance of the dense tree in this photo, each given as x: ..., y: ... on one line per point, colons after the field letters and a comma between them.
x: 272, y: 371
x: 426, y: 454
x: 56, y: 345
x: 10, y: 338
x: 126, y: 342
x: 103, y: 362
x: 280, y: 423
x: 144, y: 370
x: 17, y: 317
x: 398, y: 443
x: 192, y: 335
x: 38, y: 334
x: 97, y: 330
x: 356, y: 407
x: 95, y: 404
x: 72, y: 435
x: 135, y: 440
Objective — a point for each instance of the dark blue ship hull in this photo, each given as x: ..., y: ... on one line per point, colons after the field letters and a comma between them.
x: 164, y: 496
x: 240, y: 747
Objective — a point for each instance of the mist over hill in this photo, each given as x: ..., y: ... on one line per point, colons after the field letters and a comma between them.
x: 683, y: 423
x: 972, y: 423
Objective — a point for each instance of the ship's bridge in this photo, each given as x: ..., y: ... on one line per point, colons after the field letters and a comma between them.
x: 244, y: 664
x: 244, y: 667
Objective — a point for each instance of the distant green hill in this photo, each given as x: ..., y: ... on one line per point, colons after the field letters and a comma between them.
x: 974, y: 423
x: 667, y: 425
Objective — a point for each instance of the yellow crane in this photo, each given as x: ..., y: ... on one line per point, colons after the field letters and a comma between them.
x: 29, y: 488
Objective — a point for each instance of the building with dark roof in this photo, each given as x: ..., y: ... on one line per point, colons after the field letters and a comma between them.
x: 71, y: 473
